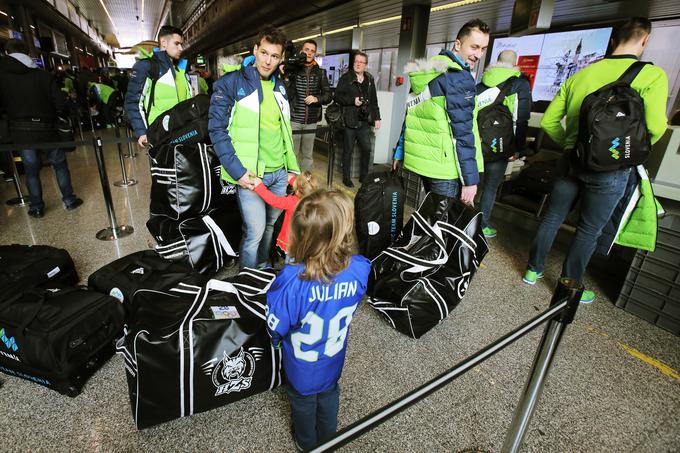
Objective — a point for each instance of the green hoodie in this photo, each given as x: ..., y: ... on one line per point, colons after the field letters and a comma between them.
x: 493, y: 77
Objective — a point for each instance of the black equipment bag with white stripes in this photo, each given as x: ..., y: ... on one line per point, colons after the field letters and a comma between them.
x: 206, y: 242
x: 424, y: 275
x: 125, y: 276
x: 185, y: 181
x: 58, y: 335
x: 379, y: 212
x: 186, y: 354
x: 186, y: 123
x: 25, y: 266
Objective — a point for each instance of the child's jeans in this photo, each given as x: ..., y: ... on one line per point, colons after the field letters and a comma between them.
x: 315, y: 417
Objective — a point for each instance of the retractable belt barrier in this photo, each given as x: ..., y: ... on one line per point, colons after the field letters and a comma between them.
x: 563, y: 306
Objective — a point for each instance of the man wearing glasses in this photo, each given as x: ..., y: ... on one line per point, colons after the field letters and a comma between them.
x: 249, y: 125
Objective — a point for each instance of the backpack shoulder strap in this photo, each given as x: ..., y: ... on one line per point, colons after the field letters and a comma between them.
x: 153, y: 75
x: 504, y: 92
x: 633, y: 70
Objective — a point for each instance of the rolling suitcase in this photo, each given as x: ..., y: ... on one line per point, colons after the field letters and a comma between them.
x: 185, y: 354
x: 57, y: 335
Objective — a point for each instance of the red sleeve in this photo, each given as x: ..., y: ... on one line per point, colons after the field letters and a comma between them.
x: 287, y: 203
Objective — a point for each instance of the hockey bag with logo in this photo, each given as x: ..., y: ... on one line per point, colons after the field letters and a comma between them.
x: 497, y: 125
x: 379, y: 211
x: 418, y: 281
x: 25, y: 266
x: 189, y: 354
x: 57, y: 335
x: 612, y: 132
x: 185, y: 181
x: 206, y: 243
x: 123, y: 277
x: 186, y: 123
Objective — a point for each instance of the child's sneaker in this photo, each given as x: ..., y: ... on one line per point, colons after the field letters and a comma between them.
x: 530, y: 277
x: 489, y: 232
x: 587, y: 297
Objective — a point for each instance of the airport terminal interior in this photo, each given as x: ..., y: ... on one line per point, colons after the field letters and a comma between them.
x: 614, y: 382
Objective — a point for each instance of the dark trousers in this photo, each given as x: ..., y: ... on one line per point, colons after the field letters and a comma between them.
x: 362, y: 134
x: 32, y: 164
x: 315, y: 417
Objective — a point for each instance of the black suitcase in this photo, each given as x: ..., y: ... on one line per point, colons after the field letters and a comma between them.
x: 24, y: 266
x: 185, y: 355
x: 206, y: 243
x: 185, y: 123
x: 379, y: 211
x: 123, y: 277
x: 57, y: 335
x: 185, y: 181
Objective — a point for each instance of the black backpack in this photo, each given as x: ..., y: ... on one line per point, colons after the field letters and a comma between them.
x: 496, y: 127
x: 612, y: 132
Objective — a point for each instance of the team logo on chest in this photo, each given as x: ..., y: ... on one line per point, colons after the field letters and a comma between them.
x: 233, y: 374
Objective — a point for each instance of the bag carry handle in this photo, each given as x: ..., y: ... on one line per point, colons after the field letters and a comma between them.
x: 44, y: 295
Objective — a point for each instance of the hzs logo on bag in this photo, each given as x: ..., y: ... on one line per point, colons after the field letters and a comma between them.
x: 233, y: 374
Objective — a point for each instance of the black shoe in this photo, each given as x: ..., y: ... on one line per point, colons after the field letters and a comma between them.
x: 75, y: 204
x: 348, y: 182
x: 37, y: 213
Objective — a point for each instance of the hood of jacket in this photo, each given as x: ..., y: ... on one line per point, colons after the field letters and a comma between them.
x: 14, y: 65
x: 498, y: 73
x: 423, y: 71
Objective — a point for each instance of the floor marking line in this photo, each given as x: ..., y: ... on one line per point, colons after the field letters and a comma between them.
x: 658, y: 364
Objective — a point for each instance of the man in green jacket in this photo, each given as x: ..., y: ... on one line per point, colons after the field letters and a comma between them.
x: 599, y: 192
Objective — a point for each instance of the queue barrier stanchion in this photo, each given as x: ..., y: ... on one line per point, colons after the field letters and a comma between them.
x: 20, y: 199
x: 125, y: 182
x: 131, y: 149
x: 114, y: 231
x: 570, y: 290
x: 331, y: 156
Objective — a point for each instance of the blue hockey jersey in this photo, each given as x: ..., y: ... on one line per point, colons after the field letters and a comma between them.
x: 312, y: 322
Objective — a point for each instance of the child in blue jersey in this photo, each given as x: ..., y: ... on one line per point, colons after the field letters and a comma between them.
x: 310, y: 306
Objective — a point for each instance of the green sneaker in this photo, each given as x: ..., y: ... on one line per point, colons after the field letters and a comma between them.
x: 530, y: 277
x: 587, y: 297
x: 489, y: 232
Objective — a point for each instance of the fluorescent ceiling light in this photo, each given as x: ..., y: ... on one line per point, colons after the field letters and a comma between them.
x: 380, y: 21
x: 453, y: 5
x: 307, y: 37
x: 340, y: 30
x: 109, y: 15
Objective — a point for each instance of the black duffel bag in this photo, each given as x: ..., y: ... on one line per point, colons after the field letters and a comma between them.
x: 185, y: 181
x: 418, y: 281
x: 186, y: 123
x: 379, y: 211
x: 32, y: 130
x: 25, y: 266
x: 57, y: 335
x: 125, y: 276
x: 184, y: 355
x: 206, y: 242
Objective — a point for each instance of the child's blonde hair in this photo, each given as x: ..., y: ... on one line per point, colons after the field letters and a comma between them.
x: 305, y: 183
x: 322, y: 234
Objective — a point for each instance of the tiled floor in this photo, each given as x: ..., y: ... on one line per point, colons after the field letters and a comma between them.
x: 600, y: 395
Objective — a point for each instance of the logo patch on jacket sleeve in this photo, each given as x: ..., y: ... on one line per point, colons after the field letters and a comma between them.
x: 282, y: 90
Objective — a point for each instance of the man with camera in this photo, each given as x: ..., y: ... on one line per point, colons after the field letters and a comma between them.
x: 308, y: 90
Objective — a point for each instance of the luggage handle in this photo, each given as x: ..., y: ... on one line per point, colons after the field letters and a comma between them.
x: 162, y: 267
x: 44, y: 295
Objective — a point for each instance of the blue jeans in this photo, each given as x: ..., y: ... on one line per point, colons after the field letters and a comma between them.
x: 599, y: 194
x: 446, y: 187
x: 493, y: 175
x: 315, y: 417
x: 32, y: 165
x: 258, y: 220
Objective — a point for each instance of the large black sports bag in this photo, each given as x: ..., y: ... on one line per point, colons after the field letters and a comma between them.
x: 206, y: 242
x: 186, y: 123
x: 25, y: 266
x: 58, y: 335
x: 496, y: 127
x: 125, y: 276
x: 612, y: 132
x: 418, y: 281
x: 185, y: 181
x: 379, y: 211
x: 185, y: 355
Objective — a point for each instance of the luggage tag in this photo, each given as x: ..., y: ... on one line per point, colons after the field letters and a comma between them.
x: 224, y: 312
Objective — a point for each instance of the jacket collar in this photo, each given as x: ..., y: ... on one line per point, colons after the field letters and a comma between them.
x: 454, y: 56
x: 616, y: 57
x: 249, y: 71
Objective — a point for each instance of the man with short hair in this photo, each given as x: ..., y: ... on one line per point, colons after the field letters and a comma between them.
x: 32, y: 100
x: 150, y: 94
x: 599, y: 191
x: 308, y: 91
x: 439, y: 144
x: 249, y: 125
x: 518, y: 103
